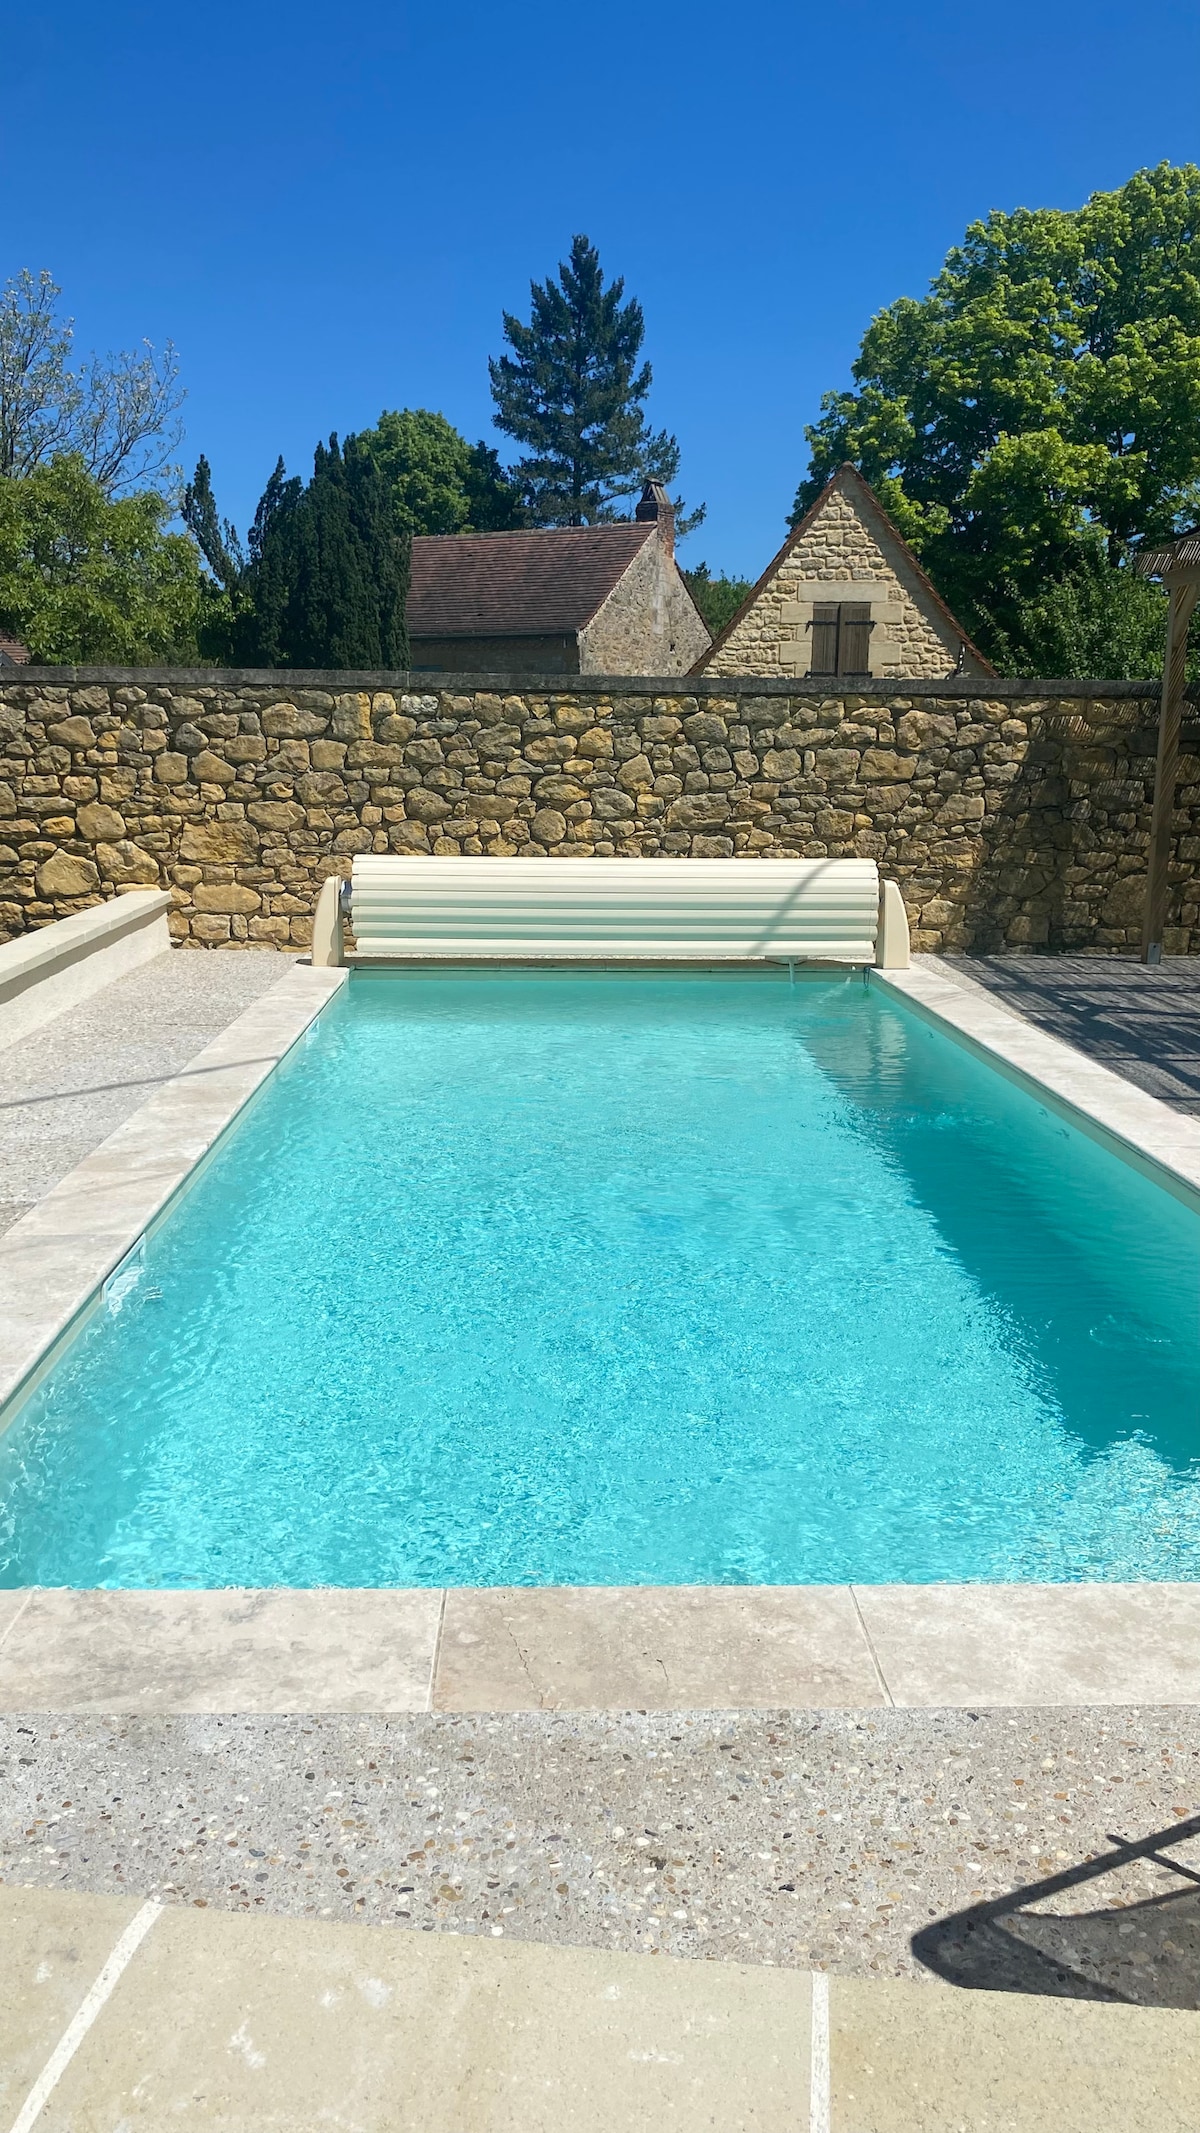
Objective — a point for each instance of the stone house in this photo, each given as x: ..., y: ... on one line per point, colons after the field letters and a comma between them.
x: 844, y: 597
x: 562, y: 600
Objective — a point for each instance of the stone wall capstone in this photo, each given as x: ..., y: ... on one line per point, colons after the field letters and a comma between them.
x: 1012, y: 813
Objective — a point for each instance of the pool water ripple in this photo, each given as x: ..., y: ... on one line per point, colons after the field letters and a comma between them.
x: 591, y: 1279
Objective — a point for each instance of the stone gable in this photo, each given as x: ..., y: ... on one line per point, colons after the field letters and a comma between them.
x: 846, y: 549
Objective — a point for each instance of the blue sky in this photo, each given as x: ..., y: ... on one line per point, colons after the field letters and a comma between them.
x: 327, y: 208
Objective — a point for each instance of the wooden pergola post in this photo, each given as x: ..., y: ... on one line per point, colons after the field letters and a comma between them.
x: 1177, y: 564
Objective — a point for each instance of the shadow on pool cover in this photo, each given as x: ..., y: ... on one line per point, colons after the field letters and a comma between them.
x: 1143, y: 1954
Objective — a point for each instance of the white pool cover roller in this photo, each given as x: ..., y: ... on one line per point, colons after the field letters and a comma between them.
x: 618, y: 910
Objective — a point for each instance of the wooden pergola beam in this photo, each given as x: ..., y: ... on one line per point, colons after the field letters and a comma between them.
x: 1177, y: 564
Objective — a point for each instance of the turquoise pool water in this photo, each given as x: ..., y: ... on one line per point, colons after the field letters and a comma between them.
x: 564, y: 1279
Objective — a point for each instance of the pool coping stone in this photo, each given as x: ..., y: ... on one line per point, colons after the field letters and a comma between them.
x: 600, y: 1648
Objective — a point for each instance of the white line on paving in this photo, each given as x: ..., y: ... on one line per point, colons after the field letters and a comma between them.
x: 819, y: 2090
x: 77, y: 2029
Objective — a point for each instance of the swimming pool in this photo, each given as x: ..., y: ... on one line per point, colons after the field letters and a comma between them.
x: 593, y: 1278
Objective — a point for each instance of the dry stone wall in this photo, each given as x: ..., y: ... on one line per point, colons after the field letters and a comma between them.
x: 1012, y: 814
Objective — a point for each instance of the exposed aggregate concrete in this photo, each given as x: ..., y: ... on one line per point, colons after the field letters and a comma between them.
x: 70, y: 1084
x: 804, y: 1838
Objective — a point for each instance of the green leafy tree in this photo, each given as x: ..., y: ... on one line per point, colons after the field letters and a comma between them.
x: 440, y: 483
x: 718, y: 599
x: 1098, y: 622
x: 325, y: 577
x: 119, y: 415
x: 572, y: 391
x: 1045, y: 393
x: 86, y: 579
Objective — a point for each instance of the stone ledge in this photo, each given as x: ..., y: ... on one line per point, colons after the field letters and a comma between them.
x: 44, y: 973
x: 415, y: 682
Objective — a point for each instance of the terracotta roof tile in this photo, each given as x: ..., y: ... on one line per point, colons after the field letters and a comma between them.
x: 517, y: 584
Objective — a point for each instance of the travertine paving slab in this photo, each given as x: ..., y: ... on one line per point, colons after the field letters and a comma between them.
x: 235, y: 2023
x: 52, y: 1946
x: 11, y: 1603
x: 988, y: 1645
x: 912, y: 2059
x: 267, y: 1650
x: 652, y: 1648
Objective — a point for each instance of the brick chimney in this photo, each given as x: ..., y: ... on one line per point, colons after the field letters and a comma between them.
x: 656, y: 504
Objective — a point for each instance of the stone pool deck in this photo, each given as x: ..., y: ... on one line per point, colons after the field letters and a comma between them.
x: 120, y: 2014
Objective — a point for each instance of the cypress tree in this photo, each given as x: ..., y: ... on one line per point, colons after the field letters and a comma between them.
x: 326, y: 579
x: 331, y: 574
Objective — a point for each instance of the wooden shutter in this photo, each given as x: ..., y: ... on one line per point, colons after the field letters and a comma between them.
x: 854, y: 638
x: 824, y: 641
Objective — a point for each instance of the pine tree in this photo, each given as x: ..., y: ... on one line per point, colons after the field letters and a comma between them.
x: 572, y: 391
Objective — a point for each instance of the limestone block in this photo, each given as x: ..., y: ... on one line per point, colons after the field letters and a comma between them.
x: 916, y: 729
x: 95, y: 821
x: 212, y: 769
x: 597, y: 743
x: 559, y: 790
x: 124, y: 861
x: 211, y: 928
x: 880, y: 764
x: 276, y: 814
x: 548, y: 826
x: 636, y: 773
x: 74, y: 733
x: 423, y: 806
x: 351, y: 720
x: 225, y: 896
x: 289, y: 722
x: 171, y: 769
x: 219, y: 843
x: 63, y: 875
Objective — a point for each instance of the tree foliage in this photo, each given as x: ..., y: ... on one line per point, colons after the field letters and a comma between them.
x: 1045, y: 394
x: 572, y: 390
x: 440, y: 483
x: 718, y: 599
x: 118, y: 415
x: 87, y: 579
x: 324, y: 577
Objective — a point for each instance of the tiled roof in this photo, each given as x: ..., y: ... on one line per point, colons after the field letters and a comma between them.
x: 517, y: 584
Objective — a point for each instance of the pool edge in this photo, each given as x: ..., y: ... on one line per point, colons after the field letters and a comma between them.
x: 55, y: 1260
x: 465, y: 1649
x: 1137, y: 1128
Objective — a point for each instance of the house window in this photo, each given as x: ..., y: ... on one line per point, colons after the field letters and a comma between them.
x: 841, y: 638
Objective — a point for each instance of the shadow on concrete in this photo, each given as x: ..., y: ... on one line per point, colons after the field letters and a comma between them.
x: 1142, y: 1954
x: 1144, y: 1024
